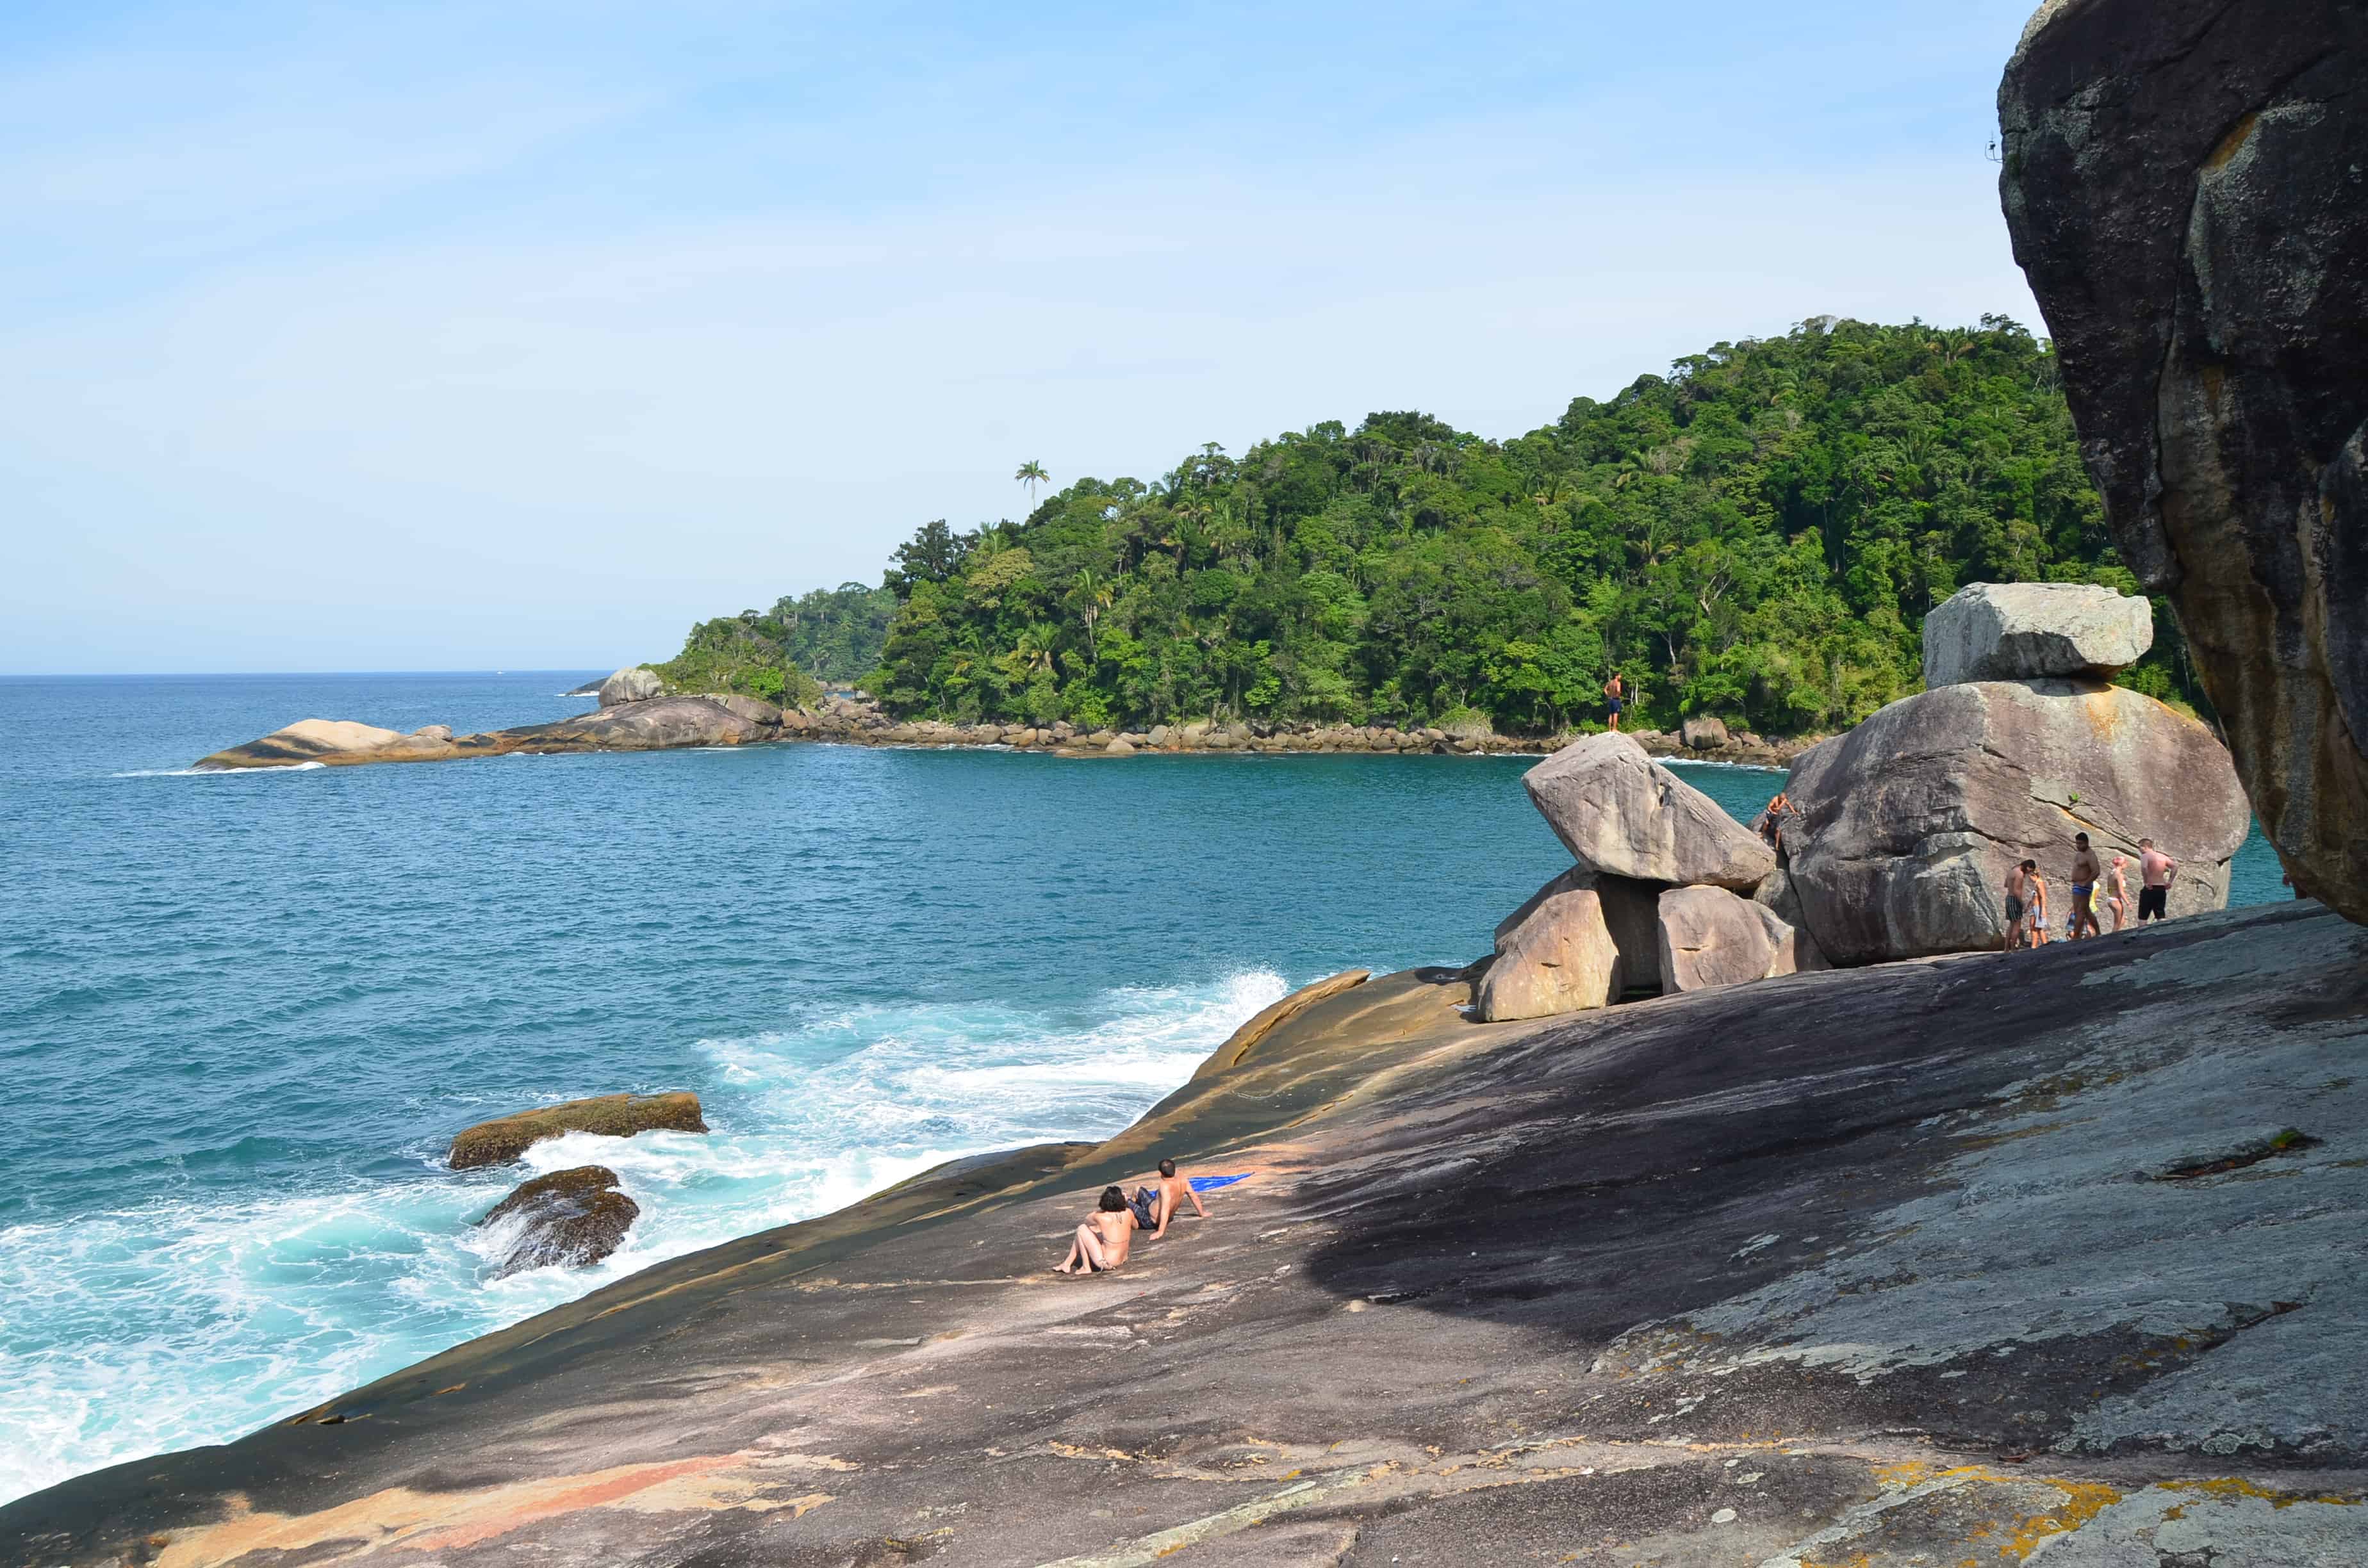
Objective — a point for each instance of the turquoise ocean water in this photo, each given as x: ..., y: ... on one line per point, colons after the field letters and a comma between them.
x: 240, y: 1014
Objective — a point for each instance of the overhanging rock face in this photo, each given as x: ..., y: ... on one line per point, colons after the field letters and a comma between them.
x: 2183, y: 182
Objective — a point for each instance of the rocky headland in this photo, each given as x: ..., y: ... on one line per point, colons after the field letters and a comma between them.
x: 638, y: 714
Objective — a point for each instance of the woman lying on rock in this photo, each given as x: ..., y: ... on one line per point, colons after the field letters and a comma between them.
x: 1103, y: 1241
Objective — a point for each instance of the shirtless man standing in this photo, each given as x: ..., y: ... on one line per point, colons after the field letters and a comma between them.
x: 2035, y: 903
x: 2117, y: 891
x: 1613, y: 690
x: 2156, y: 871
x: 2085, y: 872
x: 1105, y: 1239
x: 2018, y: 888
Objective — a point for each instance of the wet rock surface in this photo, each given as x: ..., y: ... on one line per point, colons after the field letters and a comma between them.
x: 567, y: 1219
x: 1850, y: 1267
x: 2183, y: 182
x: 1907, y: 825
x: 612, y: 1116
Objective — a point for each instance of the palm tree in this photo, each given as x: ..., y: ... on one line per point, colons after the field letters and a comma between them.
x: 1031, y: 474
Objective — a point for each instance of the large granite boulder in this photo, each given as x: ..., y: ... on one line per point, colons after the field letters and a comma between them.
x: 632, y: 685
x: 1619, y: 812
x: 1709, y: 938
x: 567, y: 1219
x: 1579, y: 942
x: 1703, y: 732
x: 2181, y: 179
x: 614, y: 1115
x: 2022, y: 630
x: 334, y: 742
x: 1907, y: 823
x: 1782, y: 900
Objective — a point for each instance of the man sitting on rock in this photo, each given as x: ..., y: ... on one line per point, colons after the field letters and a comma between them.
x: 1154, y: 1207
x: 1103, y: 1241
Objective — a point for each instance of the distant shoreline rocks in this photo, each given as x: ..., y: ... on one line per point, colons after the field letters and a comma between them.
x: 662, y: 722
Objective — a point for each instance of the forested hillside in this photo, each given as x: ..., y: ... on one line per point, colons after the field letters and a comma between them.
x: 781, y: 655
x: 1757, y: 535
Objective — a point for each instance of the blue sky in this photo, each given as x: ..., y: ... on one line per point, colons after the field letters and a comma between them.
x: 522, y: 334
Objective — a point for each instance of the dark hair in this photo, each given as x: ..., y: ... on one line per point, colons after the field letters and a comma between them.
x: 2027, y: 865
x: 1113, y: 1201
x: 2079, y: 838
x: 1167, y: 1167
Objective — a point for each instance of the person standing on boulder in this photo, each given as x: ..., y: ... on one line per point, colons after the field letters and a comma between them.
x: 2085, y: 872
x: 1614, y: 690
x: 2157, y: 871
x: 2117, y: 891
x: 2018, y: 888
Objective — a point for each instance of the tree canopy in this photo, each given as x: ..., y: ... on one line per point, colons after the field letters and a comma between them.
x: 1756, y: 535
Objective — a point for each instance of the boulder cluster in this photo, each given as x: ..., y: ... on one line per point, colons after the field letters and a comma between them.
x: 1899, y: 835
x: 1904, y: 828
x: 1660, y: 900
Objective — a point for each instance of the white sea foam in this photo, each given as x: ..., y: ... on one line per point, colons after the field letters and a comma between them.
x: 194, y: 1322
x: 219, y: 772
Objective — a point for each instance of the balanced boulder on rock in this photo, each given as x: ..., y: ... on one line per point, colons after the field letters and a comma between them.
x: 614, y: 1115
x: 1619, y: 812
x: 1709, y: 938
x: 2033, y: 630
x: 1580, y: 941
x: 1908, y: 824
x: 569, y: 1218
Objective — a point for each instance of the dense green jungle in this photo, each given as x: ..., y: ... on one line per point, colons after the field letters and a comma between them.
x: 1756, y: 535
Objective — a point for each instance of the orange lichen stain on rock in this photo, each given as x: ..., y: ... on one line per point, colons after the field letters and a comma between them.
x: 2229, y: 1488
x: 401, y: 1518
x: 2233, y: 143
x: 2083, y: 1501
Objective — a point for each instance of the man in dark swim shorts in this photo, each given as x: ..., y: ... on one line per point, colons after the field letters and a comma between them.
x: 1613, y: 690
x: 2157, y: 871
x: 2085, y: 872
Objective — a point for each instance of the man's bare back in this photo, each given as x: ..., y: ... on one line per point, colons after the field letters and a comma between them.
x: 1173, y: 1192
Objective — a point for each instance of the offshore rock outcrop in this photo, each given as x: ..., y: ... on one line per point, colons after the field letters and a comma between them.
x: 567, y: 1219
x: 2183, y: 182
x: 503, y: 1139
x: 1893, y: 1266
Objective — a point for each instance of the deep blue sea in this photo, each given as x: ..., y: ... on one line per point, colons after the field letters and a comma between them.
x: 240, y: 1014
